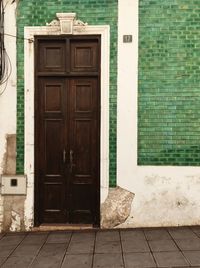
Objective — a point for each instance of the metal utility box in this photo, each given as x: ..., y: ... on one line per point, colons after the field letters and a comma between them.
x: 13, y: 185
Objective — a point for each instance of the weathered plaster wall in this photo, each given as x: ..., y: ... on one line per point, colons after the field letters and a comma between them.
x: 164, y: 196
x: 8, y: 99
x: 12, y: 205
x: 9, y: 159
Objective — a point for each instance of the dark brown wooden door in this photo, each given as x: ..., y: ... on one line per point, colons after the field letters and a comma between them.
x: 67, y: 130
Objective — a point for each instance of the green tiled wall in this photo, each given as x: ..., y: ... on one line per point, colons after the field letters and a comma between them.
x: 37, y: 13
x: 169, y: 82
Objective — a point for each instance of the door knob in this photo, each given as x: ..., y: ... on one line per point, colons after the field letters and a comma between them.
x: 64, y: 156
x: 71, y: 164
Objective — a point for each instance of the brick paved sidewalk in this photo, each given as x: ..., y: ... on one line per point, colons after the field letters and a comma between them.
x: 153, y: 247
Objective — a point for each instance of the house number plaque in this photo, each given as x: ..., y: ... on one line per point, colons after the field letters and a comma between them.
x: 127, y: 38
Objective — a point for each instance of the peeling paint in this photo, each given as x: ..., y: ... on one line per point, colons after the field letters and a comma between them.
x: 13, y: 213
x: 9, y: 159
x: 28, y: 221
x: 15, y: 222
x: 116, y: 208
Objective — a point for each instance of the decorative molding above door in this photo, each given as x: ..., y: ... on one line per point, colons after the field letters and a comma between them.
x: 67, y: 23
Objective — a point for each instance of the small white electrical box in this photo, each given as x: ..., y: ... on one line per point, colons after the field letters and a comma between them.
x: 13, y: 185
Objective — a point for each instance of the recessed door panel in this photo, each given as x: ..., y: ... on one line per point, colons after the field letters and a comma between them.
x: 53, y: 97
x: 51, y: 56
x: 53, y: 146
x: 83, y: 130
x: 84, y: 56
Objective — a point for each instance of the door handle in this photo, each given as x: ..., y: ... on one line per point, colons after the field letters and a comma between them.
x: 71, y: 164
x: 64, y: 156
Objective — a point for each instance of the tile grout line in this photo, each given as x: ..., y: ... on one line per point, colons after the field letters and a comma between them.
x: 39, y: 250
x: 178, y: 247
x: 13, y: 249
x: 3, y: 234
x: 198, y: 236
x: 94, y: 248
x: 122, y: 248
x: 150, y: 248
x: 66, y: 249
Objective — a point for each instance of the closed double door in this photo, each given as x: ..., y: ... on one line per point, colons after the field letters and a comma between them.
x: 67, y: 129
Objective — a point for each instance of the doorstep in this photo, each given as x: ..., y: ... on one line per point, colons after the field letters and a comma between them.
x: 62, y: 227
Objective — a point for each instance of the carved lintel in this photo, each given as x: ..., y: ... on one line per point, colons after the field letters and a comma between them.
x: 53, y: 23
x: 80, y: 23
x: 67, y: 23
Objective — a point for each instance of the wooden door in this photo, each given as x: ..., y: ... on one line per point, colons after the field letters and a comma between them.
x: 67, y: 130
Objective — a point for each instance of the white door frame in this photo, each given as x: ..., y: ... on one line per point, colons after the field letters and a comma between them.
x: 53, y: 30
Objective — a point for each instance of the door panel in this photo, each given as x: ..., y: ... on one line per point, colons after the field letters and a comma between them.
x: 67, y: 130
x: 84, y: 56
x: 83, y: 135
x: 83, y: 132
x: 53, y: 146
x: 53, y: 93
x: 51, y: 142
x: 51, y: 56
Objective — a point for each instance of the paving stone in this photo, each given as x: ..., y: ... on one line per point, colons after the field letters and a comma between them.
x: 108, y: 236
x: 135, y: 246
x: 163, y: 245
x: 133, y: 260
x: 193, y: 257
x: 132, y: 235
x: 18, y: 262
x: 11, y: 239
x: 35, y: 238
x: 76, y: 247
x: 51, y: 255
x: 6, y: 250
x: 26, y: 250
x: 170, y: 259
x: 81, y: 236
x: 188, y: 244
x: 182, y: 233
x: 61, y: 237
x: 81, y: 260
x: 157, y: 234
x: 108, y: 261
x: 108, y: 247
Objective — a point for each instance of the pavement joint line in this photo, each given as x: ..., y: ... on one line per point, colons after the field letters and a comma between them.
x: 48, y: 233
x: 13, y: 249
x: 179, y: 248
x: 3, y: 234
x: 174, y: 240
x: 95, y: 238
x: 121, y: 248
x: 198, y: 235
x: 150, y: 248
x: 66, y: 249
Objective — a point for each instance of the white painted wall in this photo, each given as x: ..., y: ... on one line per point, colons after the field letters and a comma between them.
x: 164, y: 196
x: 8, y: 99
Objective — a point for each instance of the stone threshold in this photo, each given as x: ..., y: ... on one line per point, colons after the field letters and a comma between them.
x: 62, y: 227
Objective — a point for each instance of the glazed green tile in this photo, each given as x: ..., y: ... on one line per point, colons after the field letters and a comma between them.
x: 169, y: 83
